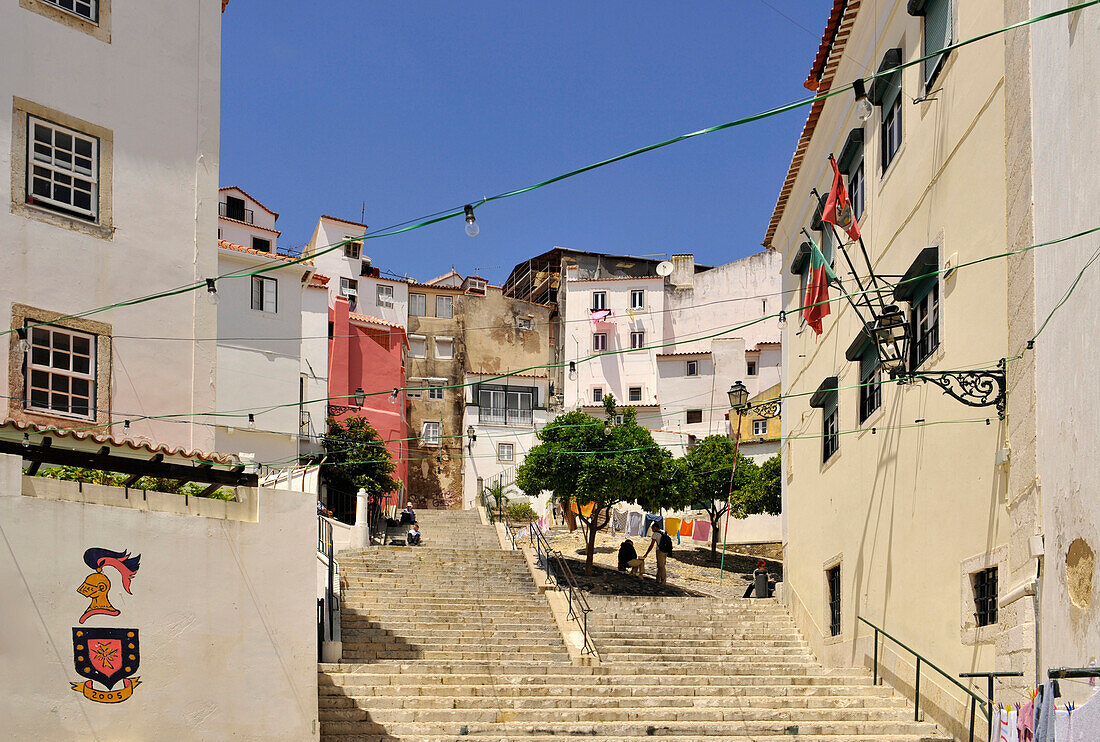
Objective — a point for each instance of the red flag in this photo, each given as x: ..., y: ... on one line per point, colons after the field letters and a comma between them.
x: 838, y: 209
x: 816, y: 304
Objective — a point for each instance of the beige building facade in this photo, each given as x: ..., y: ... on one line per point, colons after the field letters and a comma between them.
x: 894, y: 493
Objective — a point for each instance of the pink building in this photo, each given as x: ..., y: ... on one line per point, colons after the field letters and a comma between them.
x: 368, y: 353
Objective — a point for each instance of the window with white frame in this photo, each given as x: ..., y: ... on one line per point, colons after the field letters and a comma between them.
x: 599, y: 300
x: 61, y: 372
x: 88, y: 9
x: 926, y: 325
x: 855, y: 188
x: 634, y: 394
x: 265, y: 294
x: 506, y: 452
x: 353, y: 249
x: 435, y: 392
x: 384, y: 295
x: 349, y: 288
x: 444, y: 348
x: 414, y: 388
x: 597, y: 394
x: 637, y: 298
x: 444, y: 306
x: 750, y: 368
x: 693, y: 368
x: 637, y: 339
x: 418, y: 346
x: 417, y: 305
x: 431, y: 434
x: 524, y: 323
x: 62, y: 169
x: 599, y: 341
x: 759, y: 427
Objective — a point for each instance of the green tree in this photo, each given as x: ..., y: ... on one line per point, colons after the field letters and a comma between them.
x: 153, y: 484
x: 356, y: 458
x: 765, y: 495
x: 587, y: 460
x: 706, y: 482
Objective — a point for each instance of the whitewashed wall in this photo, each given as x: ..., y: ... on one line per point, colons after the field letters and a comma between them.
x: 335, y: 265
x: 223, y: 602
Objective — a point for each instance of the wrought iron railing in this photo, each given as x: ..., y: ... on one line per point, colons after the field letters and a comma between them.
x: 564, y: 580
x: 975, y: 699
x: 239, y: 214
x: 305, y: 423
x: 504, y: 416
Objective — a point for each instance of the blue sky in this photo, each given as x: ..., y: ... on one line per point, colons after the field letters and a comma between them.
x: 413, y: 107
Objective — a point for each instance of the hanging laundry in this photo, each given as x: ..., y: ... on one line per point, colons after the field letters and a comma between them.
x: 1005, y: 731
x: 1025, y: 722
x: 585, y: 510
x: 686, y: 528
x: 1084, y: 722
x: 635, y: 521
x: 1060, y: 725
x: 619, y: 519
x: 672, y: 528
x: 701, y: 531
x: 601, y: 315
x: 650, y: 519
x: 1044, y: 713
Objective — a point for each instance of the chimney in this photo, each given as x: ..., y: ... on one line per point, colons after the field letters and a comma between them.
x: 683, y: 271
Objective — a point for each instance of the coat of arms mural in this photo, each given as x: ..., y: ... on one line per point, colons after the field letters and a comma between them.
x: 106, y: 656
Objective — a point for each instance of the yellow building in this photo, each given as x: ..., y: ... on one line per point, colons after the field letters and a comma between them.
x: 893, y: 494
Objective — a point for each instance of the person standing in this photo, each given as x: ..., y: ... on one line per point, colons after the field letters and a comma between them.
x: 660, y: 541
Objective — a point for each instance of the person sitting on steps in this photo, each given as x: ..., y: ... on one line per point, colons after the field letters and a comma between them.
x: 627, y: 553
x: 761, y: 568
x: 408, y: 515
x: 412, y: 538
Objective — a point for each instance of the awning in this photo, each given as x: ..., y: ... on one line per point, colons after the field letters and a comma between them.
x: 911, y: 290
x: 891, y: 59
x: 798, y: 265
x: 826, y: 393
x: 859, y: 344
x: 852, y: 146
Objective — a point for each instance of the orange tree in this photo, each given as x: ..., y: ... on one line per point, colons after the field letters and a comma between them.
x: 603, y: 462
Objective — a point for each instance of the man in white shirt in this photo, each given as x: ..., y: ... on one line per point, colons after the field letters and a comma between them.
x: 412, y: 538
x: 656, y: 535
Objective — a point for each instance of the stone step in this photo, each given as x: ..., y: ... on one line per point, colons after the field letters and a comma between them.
x: 488, y: 737
x: 609, y: 714
x: 661, y: 673
x: 407, y: 697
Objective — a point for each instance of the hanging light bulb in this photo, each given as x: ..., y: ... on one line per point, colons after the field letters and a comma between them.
x: 24, y: 344
x: 782, y: 319
x: 251, y: 421
x: 26, y: 440
x: 572, y: 370
x: 471, y: 223
x: 393, y: 396
x: 211, y: 291
x: 864, y: 109
x: 125, y: 424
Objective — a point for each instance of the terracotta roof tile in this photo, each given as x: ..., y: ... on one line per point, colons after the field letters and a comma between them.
x: 368, y: 319
x: 684, y: 353
x: 498, y: 373
x: 106, y: 439
x: 318, y: 281
x: 238, y: 188
x: 249, y: 225
x: 226, y: 245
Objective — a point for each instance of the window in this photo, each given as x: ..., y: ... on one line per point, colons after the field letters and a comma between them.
x: 692, y: 441
x: 637, y: 340
x: 261, y: 245
x: 985, y: 596
x: 431, y: 434
x: 693, y: 368
x: 759, y: 427
x: 634, y: 394
x: 435, y: 392
x: 353, y: 249
x: 414, y: 389
x: 234, y: 209
x: 599, y: 300
x: 417, y: 305
x: 870, y: 378
x: 832, y: 577
x: 926, y: 326
x: 855, y: 189
x: 61, y: 372
x: 938, y: 33
x: 384, y: 295
x: 444, y: 348
x: 637, y: 299
x: 265, y: 294
x: 88, y: 9
x: 597, y: 394
x: 62, y: 169
x: 524, y: 323
x: 693, y: 416
x: 349, y: 288
x: 444, y: 306
x: 750, y: 368
x: 506, y: 451
x: 830, y: 430
x: 599, y: 341
x: 891, y: 128
x: 418, y: 346
x: 505, y: 405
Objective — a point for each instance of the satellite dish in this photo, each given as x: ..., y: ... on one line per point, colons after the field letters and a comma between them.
x: 664, y: 268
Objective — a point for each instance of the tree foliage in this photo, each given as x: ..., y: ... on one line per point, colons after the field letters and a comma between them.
x: 153, y: 484
x: 356, y: 458
x: 604, y: 462
x: 706, y: 471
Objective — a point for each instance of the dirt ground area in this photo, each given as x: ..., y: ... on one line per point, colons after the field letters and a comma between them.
x: 692, y: 569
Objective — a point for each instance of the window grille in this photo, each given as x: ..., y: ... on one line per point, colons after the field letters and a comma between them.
x: 833, y: 576
x: 985, y: 597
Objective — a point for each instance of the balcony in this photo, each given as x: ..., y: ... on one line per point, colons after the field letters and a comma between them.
x: 502, y: 416
x: 239, y: 213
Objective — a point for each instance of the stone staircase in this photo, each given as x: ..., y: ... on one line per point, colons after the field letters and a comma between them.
x: 452, y: 640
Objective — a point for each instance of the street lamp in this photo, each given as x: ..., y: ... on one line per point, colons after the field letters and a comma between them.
x: 471, y: 434
x: 739, y: 397
x: 359, y: 397
x: 891, y: 331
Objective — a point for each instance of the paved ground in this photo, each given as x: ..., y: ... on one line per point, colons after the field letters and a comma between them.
x: 692, y: 569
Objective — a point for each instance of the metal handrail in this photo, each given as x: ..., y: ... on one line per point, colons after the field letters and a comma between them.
x: 987, y: 705
x: 577, y: 602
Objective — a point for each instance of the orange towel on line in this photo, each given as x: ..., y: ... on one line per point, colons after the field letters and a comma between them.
x: 585, y: 510
x: 686, y: 528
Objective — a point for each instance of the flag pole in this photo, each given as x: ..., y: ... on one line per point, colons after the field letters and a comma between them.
x: 729, y: 495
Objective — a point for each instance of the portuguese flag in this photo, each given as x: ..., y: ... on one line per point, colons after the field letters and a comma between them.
x: 838, y: 208
x: 816, y: 304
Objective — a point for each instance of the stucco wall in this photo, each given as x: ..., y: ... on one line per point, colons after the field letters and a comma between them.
x: 155, y: 87
x: 223, y: 607
x: 1066, y: 183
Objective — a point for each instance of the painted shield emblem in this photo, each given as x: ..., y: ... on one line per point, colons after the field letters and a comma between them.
x: 105, y: 655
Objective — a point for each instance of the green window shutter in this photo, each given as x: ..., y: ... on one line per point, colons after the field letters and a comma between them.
x: 937, y: 35
x: 828, y: 248
x: 868, y: 362
x: 829, y: 408
x: 890, y: 91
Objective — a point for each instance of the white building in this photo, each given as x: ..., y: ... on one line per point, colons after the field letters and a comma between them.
x: 110, y: 133
x: 260, y: 323
x: 354, y: 276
